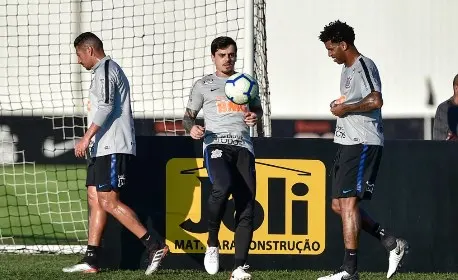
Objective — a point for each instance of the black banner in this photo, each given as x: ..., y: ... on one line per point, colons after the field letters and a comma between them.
x: 51, y: 140
x: 414, y: 198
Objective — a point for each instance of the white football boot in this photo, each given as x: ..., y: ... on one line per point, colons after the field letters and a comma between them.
x: 340, y: 274
x: 211, y: 260
x: 155, y: 258
x: 82, y: 267
x: 396, y: 256
x: 240, y: 273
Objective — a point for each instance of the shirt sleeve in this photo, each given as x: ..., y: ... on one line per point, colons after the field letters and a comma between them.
x: 196, y: 98
x: 370, y: 77
x: 105, y: 101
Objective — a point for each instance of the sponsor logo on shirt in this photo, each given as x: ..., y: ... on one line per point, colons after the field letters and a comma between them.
x: 223, y: 105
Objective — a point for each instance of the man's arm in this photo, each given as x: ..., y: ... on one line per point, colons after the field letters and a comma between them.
x: 189, y: 119
x: 371, y: 102
x: 195, y: 103
x: 105, y: 100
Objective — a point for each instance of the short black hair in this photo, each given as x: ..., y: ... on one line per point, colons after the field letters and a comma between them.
x: 455, y: 80
x: 222, y: 43
x: 337, y: 32
x: 88, y: 38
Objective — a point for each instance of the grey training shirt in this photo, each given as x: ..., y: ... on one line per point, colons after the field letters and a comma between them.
x: 110, y: 109
x: 357, y: 81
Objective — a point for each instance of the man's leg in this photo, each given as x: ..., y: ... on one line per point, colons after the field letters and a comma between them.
x: 351, y: 226
x: 126, y: 216
x: 97, y: 220
x: 370, y: 226
x: 345, y: 204
x: 110, y: 202
x: 114, y: 177
x: 244, y: 193
x: 219, y: 173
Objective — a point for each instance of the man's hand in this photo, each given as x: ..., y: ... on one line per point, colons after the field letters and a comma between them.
x: 333, y: 103
x: 81, y: 146
x: 197, y: 132
x: 251, y: 118
x: 451, y: 136
x: 338, y: 110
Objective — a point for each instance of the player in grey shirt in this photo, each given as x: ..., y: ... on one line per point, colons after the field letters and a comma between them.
x: 228, y: 152
x: 111, y: 136
x: 359, y: 133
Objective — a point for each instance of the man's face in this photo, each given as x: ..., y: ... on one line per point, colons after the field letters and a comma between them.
x: 224, y: 60
x: 85, y: 56
x: 336, y: 51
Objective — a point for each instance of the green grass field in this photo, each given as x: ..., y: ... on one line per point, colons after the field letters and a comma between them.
x: 46, y: 267
x: 42, y: 204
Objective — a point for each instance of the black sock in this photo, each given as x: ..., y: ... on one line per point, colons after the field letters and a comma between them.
x: 376, y: 231
x: 90, y: 256
x: 212, y: 239
x: 350, y: 261
x: 239, y: 262
x: 388, y: 241
x: 148, y: 241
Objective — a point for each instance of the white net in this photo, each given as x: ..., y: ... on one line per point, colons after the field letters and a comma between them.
x: 162, y: 46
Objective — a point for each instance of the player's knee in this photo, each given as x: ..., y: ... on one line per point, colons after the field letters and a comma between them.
x: 107, y: 204
x: 335, y: 206
x: 245, y: 219
x: 349, y: 204
x: 218, y: 195
x: 93, y: 202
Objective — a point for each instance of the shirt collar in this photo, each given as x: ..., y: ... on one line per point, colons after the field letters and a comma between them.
x: 107, y: 57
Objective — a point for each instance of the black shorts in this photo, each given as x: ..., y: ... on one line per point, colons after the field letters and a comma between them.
x: 355, y: 170
x: 108, y: 173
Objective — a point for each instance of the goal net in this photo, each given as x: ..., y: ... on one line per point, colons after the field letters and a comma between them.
x: 163, y: 47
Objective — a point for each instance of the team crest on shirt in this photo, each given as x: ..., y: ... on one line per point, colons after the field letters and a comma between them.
x: 208, y: 81
x: 350, y: 78
x: 348, y: 81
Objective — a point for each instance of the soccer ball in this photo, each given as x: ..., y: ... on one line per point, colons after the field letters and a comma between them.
x: 241, y: 88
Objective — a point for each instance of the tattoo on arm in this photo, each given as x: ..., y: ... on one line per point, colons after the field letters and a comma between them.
x: 189, y: 119
x: 371, y: 102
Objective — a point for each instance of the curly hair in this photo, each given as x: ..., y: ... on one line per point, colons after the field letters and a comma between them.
x: 337, y: 32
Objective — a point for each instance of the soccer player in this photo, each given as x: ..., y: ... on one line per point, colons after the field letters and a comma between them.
x: 228, y: 153
x: 111, y: 142
x: 359, y: 134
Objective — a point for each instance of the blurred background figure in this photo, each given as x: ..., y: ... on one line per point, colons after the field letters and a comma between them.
x: 446, y: 119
